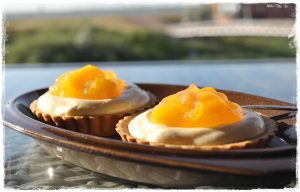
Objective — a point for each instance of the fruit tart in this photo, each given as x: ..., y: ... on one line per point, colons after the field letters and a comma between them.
x: 202, y: 119
x: 90, y: 100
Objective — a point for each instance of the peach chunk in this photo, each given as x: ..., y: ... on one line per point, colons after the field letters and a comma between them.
x: 194, y: 107
x: 88, y: 82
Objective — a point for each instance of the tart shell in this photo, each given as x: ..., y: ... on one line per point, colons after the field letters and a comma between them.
x: 260, y: 141
x: 98, y: 125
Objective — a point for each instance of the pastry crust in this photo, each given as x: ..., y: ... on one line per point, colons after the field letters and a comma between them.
x: 98, y: 125
x: 260, y: 141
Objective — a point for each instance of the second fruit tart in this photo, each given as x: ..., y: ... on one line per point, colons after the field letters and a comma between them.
x: 197, y: 119
x: 90, y: 100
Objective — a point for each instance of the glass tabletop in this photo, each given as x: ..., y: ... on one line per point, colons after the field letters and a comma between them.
x: 27, y: 166
x: 34, y: 169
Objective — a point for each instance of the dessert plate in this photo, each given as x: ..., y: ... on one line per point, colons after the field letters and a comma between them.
x: 272, y: 166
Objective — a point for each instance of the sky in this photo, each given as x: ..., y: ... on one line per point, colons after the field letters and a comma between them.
x: 16, y: 7
x: 37, y: 6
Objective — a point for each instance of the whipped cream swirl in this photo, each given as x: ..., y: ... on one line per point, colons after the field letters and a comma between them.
x: 132, y: 98
x: 249, y: 127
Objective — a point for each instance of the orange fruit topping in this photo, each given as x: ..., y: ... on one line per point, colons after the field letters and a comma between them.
x: 194, y: 107
x: 88, y: 82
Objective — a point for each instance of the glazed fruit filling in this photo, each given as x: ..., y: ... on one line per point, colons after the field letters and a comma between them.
x: 88, y: 82
x: 194, y: 107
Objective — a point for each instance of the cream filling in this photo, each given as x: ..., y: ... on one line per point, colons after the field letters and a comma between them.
x: 249, y: 127
x: 132, y: 98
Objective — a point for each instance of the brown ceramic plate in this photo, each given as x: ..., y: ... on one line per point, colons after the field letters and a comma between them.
x: 272, y: 166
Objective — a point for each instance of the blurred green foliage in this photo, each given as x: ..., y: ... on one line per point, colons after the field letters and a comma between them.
x: 99, y: 44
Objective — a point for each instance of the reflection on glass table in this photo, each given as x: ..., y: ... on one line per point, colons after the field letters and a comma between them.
x: 34, y: 169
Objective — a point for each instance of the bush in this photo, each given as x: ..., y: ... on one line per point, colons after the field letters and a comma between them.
x: 98, y: 44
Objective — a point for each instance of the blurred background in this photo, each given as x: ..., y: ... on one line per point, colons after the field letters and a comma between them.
x: 50, y: 33
x: 241, y: 47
